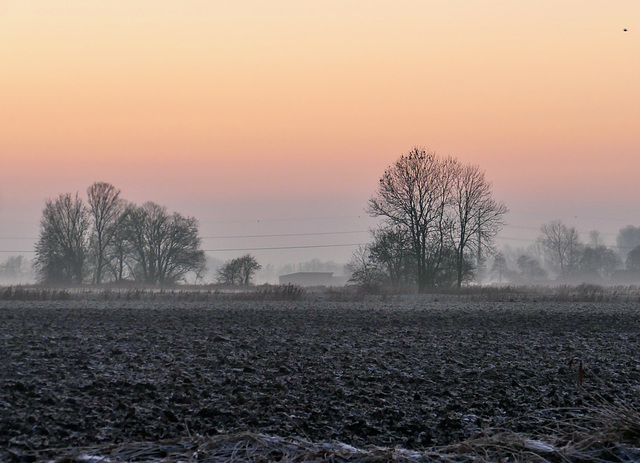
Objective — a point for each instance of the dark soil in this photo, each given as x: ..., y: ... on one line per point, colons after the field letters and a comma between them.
x: 390, y: 374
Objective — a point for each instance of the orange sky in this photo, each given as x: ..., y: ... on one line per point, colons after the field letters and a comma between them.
x: 235, y: 111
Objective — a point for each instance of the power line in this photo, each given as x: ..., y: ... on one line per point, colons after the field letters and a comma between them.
x: 268, y: 235
x: 268, y: 248
x: 273, y: 248
x: 284, y: 234
x: 512, y: 238
x: 283, y: 219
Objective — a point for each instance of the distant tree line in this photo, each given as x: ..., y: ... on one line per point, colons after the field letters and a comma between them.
x: 560, y: 255
x: 313, y: 265
x: 439, y: 219
x: 109, y: 239
x: 15, y: 270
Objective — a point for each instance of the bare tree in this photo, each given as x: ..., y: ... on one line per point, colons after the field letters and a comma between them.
x: 106, y: 209
x: 391, y: 249
x: 446, y: 211
x: 365, y: 272
x: 61, y: 250
x: 562, y: 246
x: 239, y: 271
x: 165, y: 246
x: 249, y: 266
x: 120, y: 252
x: 230, y: 273
x: 476, y: 216
x: 412, y: 195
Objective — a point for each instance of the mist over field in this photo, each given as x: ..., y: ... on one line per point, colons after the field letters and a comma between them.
x: 263, y: 120
x: 319, y: 231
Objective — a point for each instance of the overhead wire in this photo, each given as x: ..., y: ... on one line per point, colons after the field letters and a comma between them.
x: 272, y: 248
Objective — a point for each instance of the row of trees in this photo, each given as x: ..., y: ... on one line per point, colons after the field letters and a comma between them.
x: 559, y: 253
x: 439, y: 219
x: 15, y: 270
x: 110, y: 239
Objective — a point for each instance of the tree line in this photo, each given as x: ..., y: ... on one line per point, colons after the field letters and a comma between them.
x: 15, y: 270
x: 559, y: 254
x: 439, y: 218
x: 108, y: 238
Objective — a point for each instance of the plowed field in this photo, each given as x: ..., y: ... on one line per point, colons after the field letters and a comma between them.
x: 406, y: 374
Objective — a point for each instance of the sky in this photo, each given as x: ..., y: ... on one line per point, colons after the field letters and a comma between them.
x: 278, y: 118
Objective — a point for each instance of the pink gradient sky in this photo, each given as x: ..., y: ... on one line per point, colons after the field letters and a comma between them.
x: 273, y: 117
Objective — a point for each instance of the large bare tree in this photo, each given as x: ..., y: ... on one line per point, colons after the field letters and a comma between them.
x: 476, y: 216
x: 62, y: 246
x: 106, y: 210
x: 412, y: 196
x: 166, y: 247
x: 444, y: 208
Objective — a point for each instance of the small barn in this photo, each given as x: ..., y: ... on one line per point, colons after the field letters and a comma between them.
x: 311, y: 279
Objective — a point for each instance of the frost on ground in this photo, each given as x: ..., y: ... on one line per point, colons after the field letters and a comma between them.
x: 405, y: 375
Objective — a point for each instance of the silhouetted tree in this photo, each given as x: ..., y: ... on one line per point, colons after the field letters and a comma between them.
x: 144, y: 242
x: 230, y: 273
x: 165, y: 246
x: 477, y: 217
x: 248, y: 266
x: 62, y: 247
x: 562, y: 246
x: 119, y: 253
x: 445, y: 210
x: 106, y: 208
x: 391, y: 250
x: 238, y: 271
x: 413, y: 195
x: 365, y: 271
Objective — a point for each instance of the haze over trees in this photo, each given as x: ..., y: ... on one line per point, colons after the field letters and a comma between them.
x: 562, y: 246
x: 108, y: 239
x: 627, y: 240
x: 560, y: 255
x: 438, y: 216
x: 15, y: 270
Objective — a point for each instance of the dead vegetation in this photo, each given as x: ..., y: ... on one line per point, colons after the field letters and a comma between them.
x: 608, y: 433
x: 266, y: 292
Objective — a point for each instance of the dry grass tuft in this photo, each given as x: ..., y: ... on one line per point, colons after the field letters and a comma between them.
x: 610, y: 432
